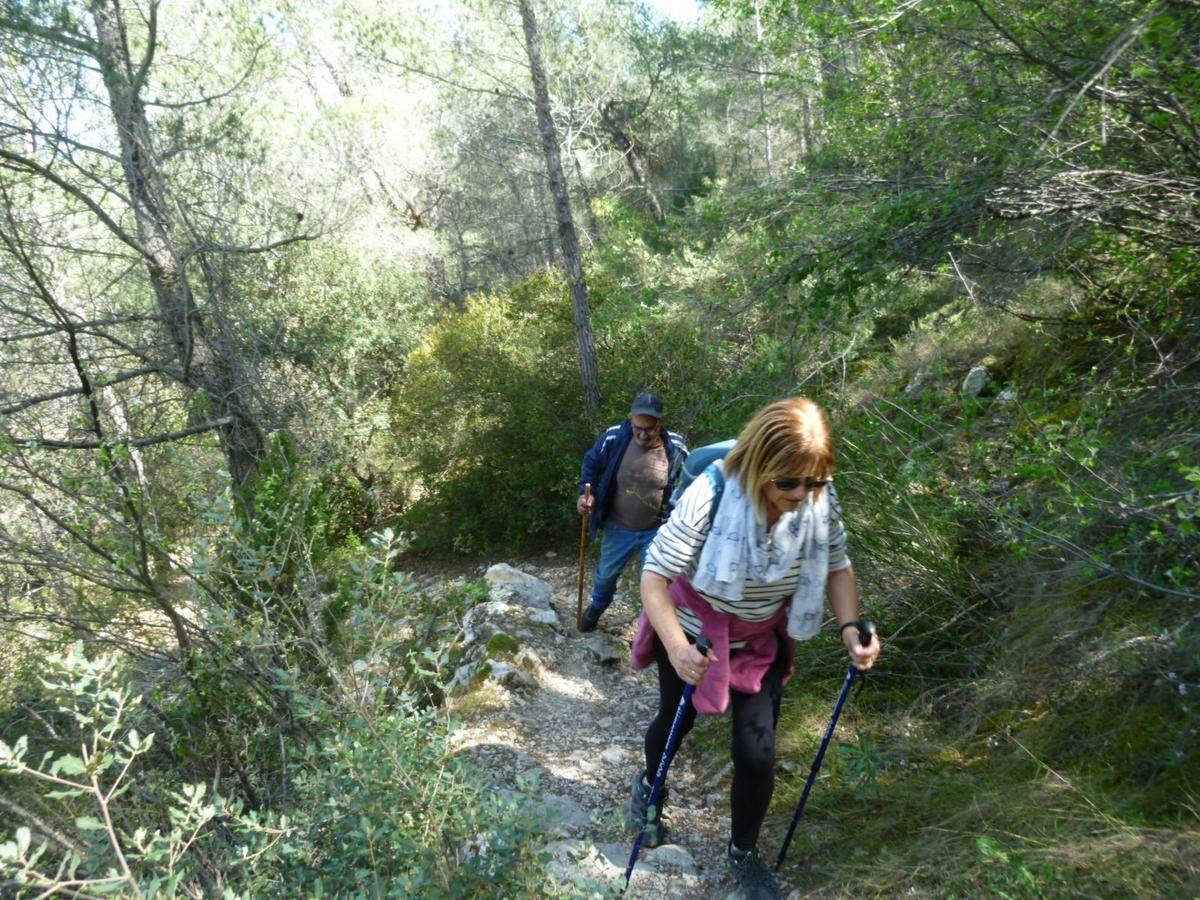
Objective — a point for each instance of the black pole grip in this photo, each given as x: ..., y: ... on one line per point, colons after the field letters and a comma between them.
x: 703, y: 644
x: 866, y: 632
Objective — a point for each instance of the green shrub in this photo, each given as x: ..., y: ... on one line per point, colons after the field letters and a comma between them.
x: 377, y: 805
x: 384, y: 809
x: 490, y: 422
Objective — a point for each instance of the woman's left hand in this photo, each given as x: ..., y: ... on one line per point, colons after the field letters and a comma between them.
x: 862, y: 657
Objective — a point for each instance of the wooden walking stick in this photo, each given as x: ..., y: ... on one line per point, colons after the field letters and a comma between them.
x: 587, y: 511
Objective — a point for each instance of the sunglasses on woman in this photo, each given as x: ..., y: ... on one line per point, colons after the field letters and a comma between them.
x: 787, y: 485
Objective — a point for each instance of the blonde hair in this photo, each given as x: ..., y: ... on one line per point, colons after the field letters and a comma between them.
x: 787, y: 439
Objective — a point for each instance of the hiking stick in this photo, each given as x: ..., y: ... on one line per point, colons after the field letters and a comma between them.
x: 703, y: 644
x: 866, y: 631
x: 587, y: 511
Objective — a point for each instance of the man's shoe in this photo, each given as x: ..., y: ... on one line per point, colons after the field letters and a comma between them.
x: 641, y: 814
x: 591, y: 617
x: 754, y: 877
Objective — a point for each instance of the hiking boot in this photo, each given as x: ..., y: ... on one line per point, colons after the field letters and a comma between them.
x: 651, y: 817
x: 754, y: 877
x: 591, y: 618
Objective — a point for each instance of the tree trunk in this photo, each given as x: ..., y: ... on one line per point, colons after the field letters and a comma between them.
x: 568, y: 240
x: 208, y: 366
x: 614, y: 121
x: 808, y: 127
x: 768, y: 152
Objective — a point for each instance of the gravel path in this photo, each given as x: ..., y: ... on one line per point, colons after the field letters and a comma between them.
x: 580, y: 731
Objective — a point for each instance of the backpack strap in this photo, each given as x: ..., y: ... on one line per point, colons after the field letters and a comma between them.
x: 716, y: 474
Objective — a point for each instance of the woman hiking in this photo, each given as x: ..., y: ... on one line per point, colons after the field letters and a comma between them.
x: 747, y: 559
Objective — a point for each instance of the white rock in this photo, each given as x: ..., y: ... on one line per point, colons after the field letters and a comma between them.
x: 559, y: 814
x: 545, y: 616
x: 463, y: 675
x: 604, y: 648
x: 976, y: 380
x: 563, y: 813
x: 916, y: 386
x: 670, y: 857
x: 612, y: 755
x: 586, y: 762
x: 580, y: 863
x: 509, y: 675
x: 658, y: 874
x: 484, y: 620
x: 507, y: 583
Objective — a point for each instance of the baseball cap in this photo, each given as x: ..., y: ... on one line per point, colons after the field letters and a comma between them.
x: 646, y: 404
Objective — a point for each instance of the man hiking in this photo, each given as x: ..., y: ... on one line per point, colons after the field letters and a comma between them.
x: 630, y: 468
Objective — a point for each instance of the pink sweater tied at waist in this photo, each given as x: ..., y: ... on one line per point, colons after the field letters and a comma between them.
x: 742, y: 669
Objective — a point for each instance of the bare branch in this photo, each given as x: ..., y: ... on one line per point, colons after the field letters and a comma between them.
x: 57, y: 37
x: 139, y: 77
x: 43, y: 444
x: 82, y: 327
x: 511, y: 93
x: 208, y: 99
x: 23, y: 163
x: 42, y: 827
x: 254, y: 248
x: 78, y: 391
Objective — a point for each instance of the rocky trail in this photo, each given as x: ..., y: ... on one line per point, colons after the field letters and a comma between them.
x: 536, y: 699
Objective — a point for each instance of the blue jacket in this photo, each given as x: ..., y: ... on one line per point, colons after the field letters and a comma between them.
x: 600, y: 465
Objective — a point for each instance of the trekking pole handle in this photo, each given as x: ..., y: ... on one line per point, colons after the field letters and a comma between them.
x: 866, y: 632
x: 703, y: 644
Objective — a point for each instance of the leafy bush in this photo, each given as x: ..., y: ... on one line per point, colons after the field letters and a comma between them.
x: 120, y: 844
x: 488, y: 418
x: 376, y: 804
x: 387, y: 810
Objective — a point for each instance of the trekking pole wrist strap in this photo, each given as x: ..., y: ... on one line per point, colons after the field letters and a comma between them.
x: 846, y: 625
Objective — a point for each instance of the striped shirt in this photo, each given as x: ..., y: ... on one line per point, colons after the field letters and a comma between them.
x: 676, y: 550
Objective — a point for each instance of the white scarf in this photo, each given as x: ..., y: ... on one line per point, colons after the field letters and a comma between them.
x: 738, y: 547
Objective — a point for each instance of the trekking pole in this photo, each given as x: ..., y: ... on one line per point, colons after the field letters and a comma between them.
x: 866, y: 632
x: 703, y: 644
x: 587, y: 511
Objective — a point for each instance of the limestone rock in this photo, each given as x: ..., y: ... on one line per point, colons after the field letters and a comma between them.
x: 604, y: 648
x: 482, y: 622
x: 558, y: 814
x: 666, y: 871
x: 613, y: 755
x: 581, y: 864
x: 977, y: 379
x: 515, y: 586
x: 670, y: 858
x: 916, y: 385
x: 505, y: 674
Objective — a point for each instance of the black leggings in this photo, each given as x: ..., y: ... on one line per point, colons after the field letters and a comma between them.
x: 753, y: 742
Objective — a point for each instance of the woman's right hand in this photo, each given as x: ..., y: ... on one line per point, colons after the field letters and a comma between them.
x: 690, y: 664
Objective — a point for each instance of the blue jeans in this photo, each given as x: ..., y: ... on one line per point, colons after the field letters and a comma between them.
x: 617, y: 546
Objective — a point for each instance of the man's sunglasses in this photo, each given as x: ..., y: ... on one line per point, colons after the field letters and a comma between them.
x: 787, y: 485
